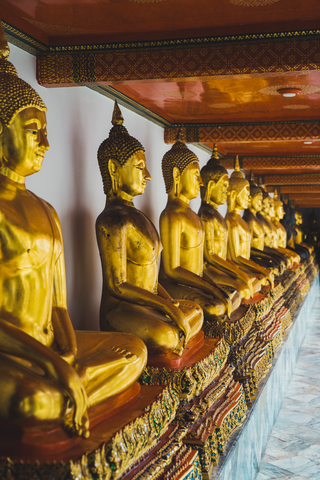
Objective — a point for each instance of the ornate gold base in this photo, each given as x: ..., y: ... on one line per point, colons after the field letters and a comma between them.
x: 114, y: 447
x: 199, y: 372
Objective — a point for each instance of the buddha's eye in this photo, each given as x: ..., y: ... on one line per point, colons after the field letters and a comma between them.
x: 34, y: 132
x: 139, y: 168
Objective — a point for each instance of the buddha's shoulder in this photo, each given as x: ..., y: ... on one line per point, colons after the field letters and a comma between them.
x: 233, y: 219
x: 207, y: 213
x: 115, y: 217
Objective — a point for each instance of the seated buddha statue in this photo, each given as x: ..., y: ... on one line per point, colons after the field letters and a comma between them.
x: 311, y: 232
x: 216, y: 265
x: 298, y: 229
x: 182, y: 236
x: 239, y: 238
x: 271, y: 235
x: 266, y: 256
x: 282, y: 233
x: 49, y: 374
x: 132, y: 299
x: 289, y: 221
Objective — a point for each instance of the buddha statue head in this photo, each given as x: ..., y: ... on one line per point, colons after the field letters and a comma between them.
x: 265, y: 197
x: 23, y: 141
x: 122, y: 161
x: 181, y: 171
x: 215, y: 181
x: 256, y: 195
x: 239, y: 191
x: 278, y: 205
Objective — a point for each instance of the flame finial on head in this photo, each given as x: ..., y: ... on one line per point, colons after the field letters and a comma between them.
x: 254, y: 189
x: 4, y: 47
x: 117, y: 118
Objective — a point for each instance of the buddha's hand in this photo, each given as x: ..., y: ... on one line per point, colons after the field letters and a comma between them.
x: 178, y: 317
x: 77, y: 422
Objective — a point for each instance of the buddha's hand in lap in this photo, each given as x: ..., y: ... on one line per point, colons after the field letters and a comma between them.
x: 77, y: 421
x: 178, y: 317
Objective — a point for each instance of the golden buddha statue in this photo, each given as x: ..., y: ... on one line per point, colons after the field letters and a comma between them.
x: 263, y: 255
x: 298, y: 229
x: 182, y: 235
x: 239, y: 238
x: 49, y: 374
x: 132, y: 300
x: 282, y: 233
x: 213, y: 193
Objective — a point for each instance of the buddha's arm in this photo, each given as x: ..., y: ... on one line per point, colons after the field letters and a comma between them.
x: 213, y: 259
x: 112, y: 245
x: 18, y: 343
x: 233, y: 244
x: 62, y: 327
x: 170, y: 228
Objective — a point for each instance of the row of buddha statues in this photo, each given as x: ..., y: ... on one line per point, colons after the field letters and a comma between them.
x: 209, y: 265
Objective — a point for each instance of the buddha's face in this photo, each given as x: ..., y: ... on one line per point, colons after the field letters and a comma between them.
x: 190, y: 181
x: 243, y: 197
x: 133, y: 175
x: 279, y: 212
x: 271, y: 208
x: 256, y: 202
x: 266, y: 205
x: 25, y: 142
x: 298, y: 218
x: 219, y: 190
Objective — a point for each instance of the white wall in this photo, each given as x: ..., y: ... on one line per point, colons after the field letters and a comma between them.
x: 79, y: 119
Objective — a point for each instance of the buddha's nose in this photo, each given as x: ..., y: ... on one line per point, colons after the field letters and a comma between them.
x: 44, y: 140
x: 146, y: 173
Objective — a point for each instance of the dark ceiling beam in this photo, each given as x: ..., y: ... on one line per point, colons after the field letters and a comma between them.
x: 184, y: 60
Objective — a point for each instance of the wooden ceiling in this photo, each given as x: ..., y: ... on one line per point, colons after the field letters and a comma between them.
x: 214, y: 66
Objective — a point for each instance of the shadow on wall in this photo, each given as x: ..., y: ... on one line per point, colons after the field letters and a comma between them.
x: 81, y: 249
x: 84, y: 311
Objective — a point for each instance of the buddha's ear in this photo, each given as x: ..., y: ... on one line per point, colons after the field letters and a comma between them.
x: 1, y: 131
x: 176, y: 173
x: 233, y: 195
x: 112, y: 167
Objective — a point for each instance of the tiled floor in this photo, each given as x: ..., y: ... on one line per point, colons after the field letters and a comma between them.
x: 293, y: 449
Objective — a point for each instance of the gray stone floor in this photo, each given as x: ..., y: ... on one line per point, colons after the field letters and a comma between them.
x: 293, y: 449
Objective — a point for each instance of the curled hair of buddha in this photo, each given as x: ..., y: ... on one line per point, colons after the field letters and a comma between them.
x: 178, y: 156
x: 254, y: 189
x: 15, y: 94
x: 213, y: 170
x: 119, y: 146
x: 265, y: 194
x: 237, y: 181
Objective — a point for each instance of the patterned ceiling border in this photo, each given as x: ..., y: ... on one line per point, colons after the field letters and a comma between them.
x: 265, y: 59
x: 23, y: 41
x: 285, y: 179
x: 245, y: 132
x: 296, y: 189
x: 257, y: 164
